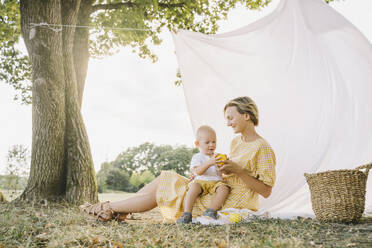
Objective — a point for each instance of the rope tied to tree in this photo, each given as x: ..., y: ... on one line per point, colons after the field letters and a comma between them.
x: 58, y: 27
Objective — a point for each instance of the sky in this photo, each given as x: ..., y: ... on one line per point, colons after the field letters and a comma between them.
x: 129, y: 101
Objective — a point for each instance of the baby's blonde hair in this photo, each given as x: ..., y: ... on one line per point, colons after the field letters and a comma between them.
x: 202, y: 129
x: 245, y: 105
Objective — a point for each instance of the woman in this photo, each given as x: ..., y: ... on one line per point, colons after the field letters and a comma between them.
x: 250, y: 171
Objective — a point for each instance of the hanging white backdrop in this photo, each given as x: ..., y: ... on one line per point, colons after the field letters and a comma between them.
x: 309, y: 71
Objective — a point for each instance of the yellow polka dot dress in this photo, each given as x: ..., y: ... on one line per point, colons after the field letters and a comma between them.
x: 257, y: 157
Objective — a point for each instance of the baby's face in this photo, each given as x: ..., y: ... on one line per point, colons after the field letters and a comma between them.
x: 207, y: 142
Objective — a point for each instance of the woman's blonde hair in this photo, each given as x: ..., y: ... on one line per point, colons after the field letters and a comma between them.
x: 245, y: 105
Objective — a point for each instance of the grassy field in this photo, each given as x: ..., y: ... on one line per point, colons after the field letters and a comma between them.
x: 62, y: 225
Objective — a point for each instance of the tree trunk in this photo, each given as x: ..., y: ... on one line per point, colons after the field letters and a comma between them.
x: 2, y: 198
x: 44, y: 47
x: 61, y: 161
x: 81, y: 46
x: 79, y: 158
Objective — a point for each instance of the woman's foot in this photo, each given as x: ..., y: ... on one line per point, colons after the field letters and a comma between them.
x: 102, y: 211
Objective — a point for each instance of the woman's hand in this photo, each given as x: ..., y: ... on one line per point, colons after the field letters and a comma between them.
x: 260, y: 187
x: 229, y: 167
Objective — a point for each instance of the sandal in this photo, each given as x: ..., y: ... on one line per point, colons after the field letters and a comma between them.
x: 102, y: 211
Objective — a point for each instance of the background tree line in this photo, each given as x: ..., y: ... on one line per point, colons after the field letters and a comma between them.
x: 130, y: 171
x: 136, y: 166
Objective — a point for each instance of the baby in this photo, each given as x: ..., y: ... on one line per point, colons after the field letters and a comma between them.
x: 207, y: 178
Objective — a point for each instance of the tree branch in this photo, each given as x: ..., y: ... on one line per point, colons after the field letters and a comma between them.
x: 113, y: 6
x: 171, y: 5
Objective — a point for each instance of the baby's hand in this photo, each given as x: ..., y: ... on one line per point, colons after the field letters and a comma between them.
x: 192, y: 176
x: 220, y: 159
x: 212, y: 161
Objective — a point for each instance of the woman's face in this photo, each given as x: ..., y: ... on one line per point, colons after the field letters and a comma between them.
x: 236, y: 120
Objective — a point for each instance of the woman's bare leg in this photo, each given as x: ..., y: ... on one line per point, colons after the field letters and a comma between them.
x: 144, y: 201
x: 148, y: 187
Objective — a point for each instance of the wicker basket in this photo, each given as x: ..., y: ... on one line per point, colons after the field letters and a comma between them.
x: 339, y: 195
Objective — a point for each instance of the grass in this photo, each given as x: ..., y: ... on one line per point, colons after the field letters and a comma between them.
x: 62, y: 225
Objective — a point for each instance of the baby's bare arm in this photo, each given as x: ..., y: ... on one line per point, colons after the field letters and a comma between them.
x: 201, y: 169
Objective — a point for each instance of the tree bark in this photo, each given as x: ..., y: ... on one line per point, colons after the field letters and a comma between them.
x: 80, y: 171
x: 61, y: 161
x: 2, y: 198
x: 44, y: 47
x: 81, y: 46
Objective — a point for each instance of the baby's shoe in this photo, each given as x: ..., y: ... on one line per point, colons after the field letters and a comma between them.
x: 185, y: 218
x: 210, y: 213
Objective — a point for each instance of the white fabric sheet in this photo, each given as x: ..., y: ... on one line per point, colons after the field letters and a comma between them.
x: 309, y: 71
